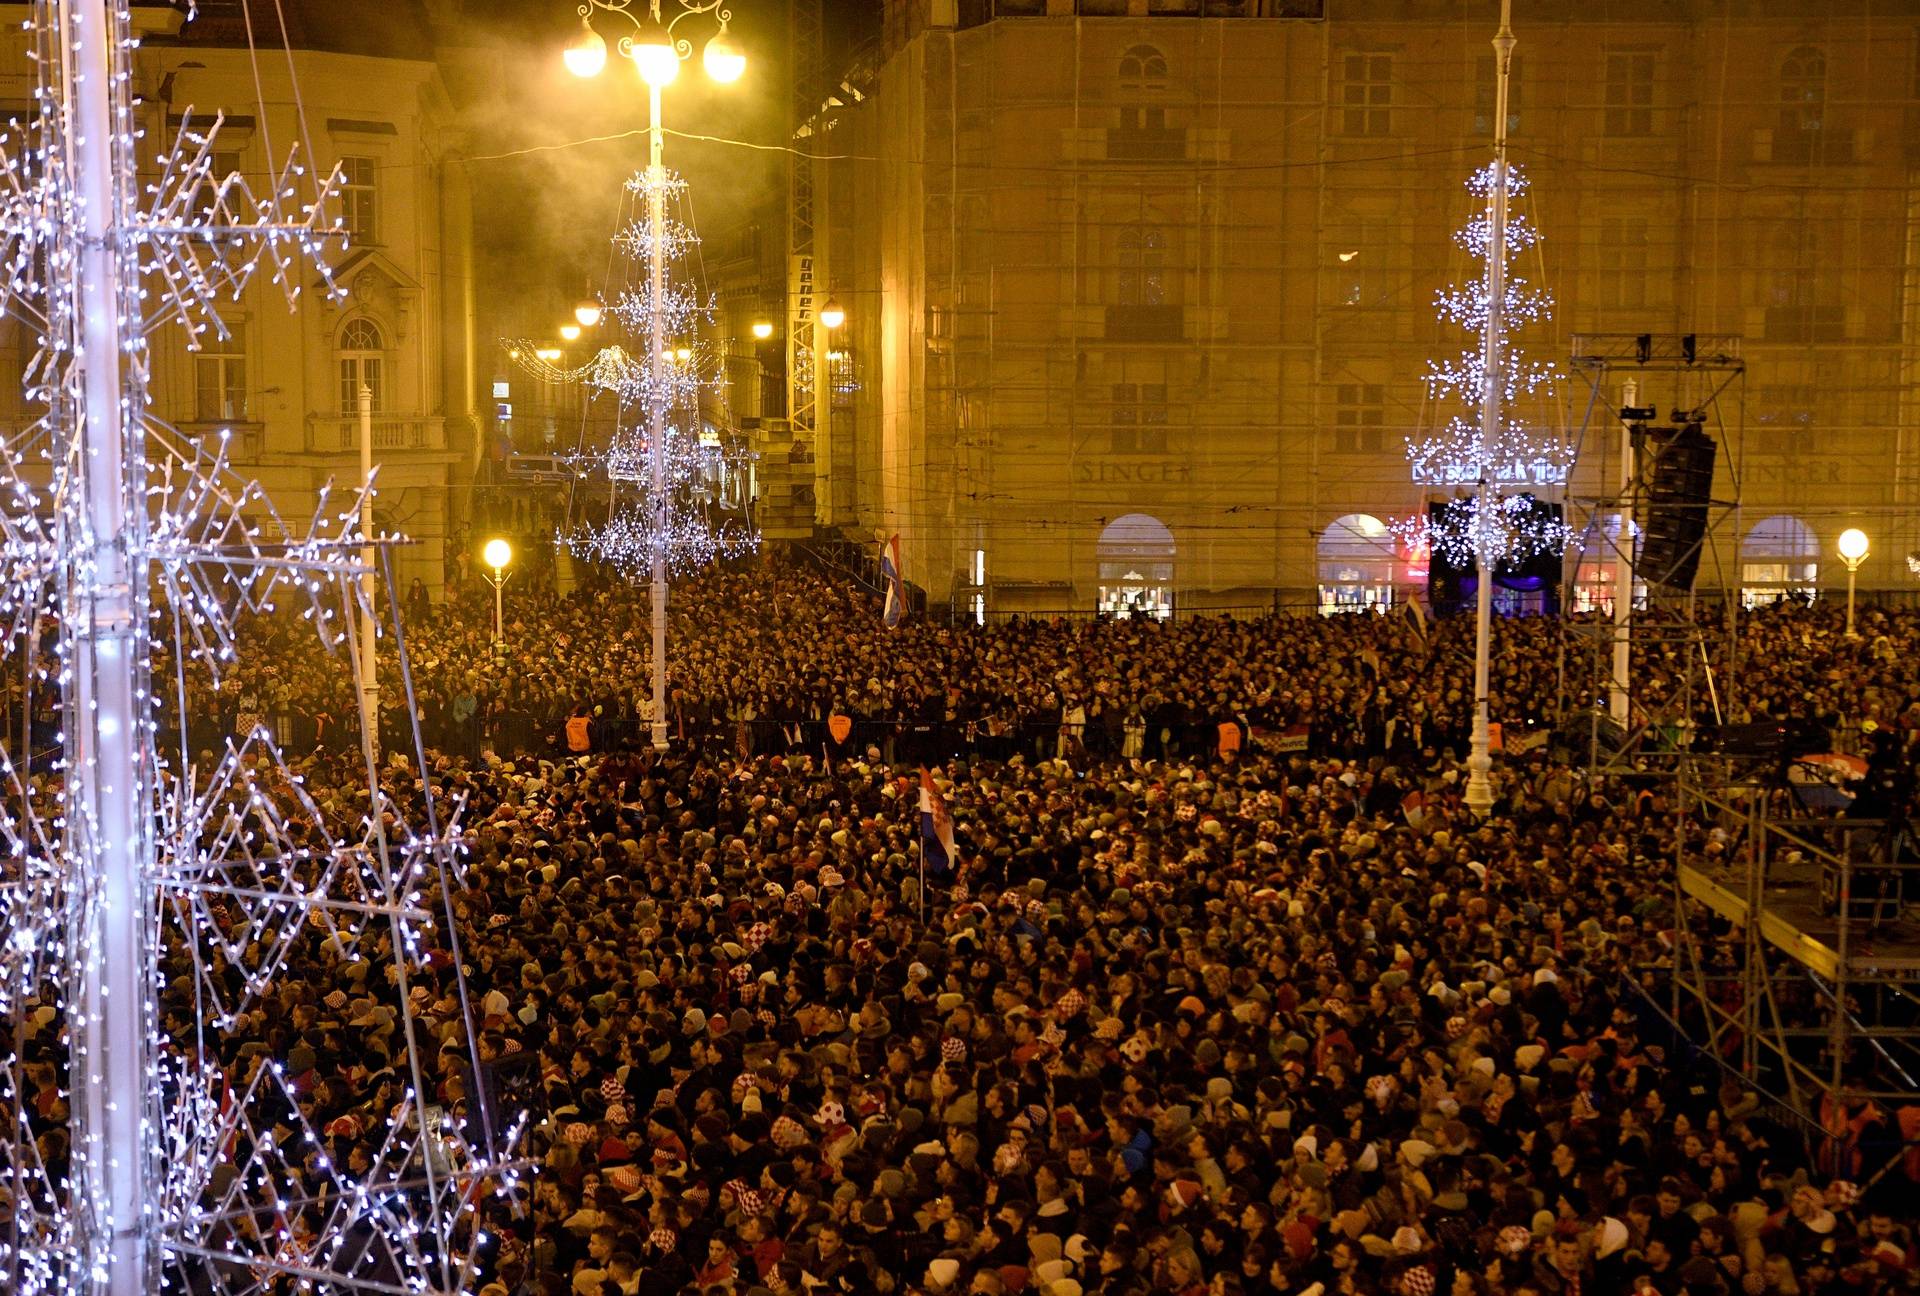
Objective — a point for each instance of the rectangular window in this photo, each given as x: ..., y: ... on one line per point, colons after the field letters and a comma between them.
x: 1629, y: 92
x: 1360, y: 272
x: 1366, y: 94
x: 1485, y: 94
x: 357, y: 198
x: 220, y: 382
x: 1360, y: 419
x: 1139, y: 418
x: 355, y: 370
x: 1623, y: 262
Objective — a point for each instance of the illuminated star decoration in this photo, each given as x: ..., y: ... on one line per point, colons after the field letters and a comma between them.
x: 613, y: 520
x: 234, y: 863
x: 1459, y: 454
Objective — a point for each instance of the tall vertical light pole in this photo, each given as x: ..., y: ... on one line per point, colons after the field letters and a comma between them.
x: 656, y: 53
x: 108, y: 805
x: 369, y: 619
x: 1853, y: 552
x: 497, y: 554
x: 1479, y: 795
x: 1619, y: 688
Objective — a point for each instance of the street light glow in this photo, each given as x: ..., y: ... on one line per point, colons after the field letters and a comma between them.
x: 654, y: 55
x: 725, y: 61
x: 831, y: 315
x: 497, y: 553
x: 586, y: 55
x: 569, y: 332
x: 587, y: 312
x: 1853, y: 544
x: 763, y: 329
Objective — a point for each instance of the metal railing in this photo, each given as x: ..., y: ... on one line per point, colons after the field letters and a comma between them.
x: 340, y: 434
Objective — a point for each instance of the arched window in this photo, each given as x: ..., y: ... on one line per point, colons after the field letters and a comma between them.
x: 1779, y: 558
x: 1597, y: 573
x: 1803, y: 106
x: 1356, y: 556
x: 362, y: 362
x: 1136, y: 567
x: 1143, y: 68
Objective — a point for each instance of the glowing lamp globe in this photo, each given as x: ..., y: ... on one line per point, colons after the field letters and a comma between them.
x: 762, y: 329
x: 586, y: 55
x: 1853, y: 544
x: 587, y: 313
x: 832, y: 315
x: 653, y: 53
x: 497, y: 553
x: 569, y: 332
x: 725, y: 61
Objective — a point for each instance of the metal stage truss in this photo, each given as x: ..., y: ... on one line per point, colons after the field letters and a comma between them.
x: 1634, y: 719
x: 1820, y: 1003
x: 1796, y: 963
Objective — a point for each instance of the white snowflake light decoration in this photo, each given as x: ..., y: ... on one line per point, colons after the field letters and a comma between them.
x: 152, y: 886
x: 1516, y: 528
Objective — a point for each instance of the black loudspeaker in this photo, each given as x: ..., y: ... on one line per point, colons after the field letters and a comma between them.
x: 1677, y: 467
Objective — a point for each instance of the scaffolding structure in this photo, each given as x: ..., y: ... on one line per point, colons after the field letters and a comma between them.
x: 1623, y: 724
x: 1795, y: 965
x: 1815, y: 996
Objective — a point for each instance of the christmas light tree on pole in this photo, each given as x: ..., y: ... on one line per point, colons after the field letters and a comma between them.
x: 1484, y: 445
x: 667, y: 483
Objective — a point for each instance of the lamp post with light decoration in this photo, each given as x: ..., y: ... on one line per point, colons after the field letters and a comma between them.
x: 656, y: 53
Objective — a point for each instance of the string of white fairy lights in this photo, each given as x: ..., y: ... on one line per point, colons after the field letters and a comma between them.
x: 237, y: 865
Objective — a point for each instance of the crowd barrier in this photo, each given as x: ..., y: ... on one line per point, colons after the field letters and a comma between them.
x: 898, y: 740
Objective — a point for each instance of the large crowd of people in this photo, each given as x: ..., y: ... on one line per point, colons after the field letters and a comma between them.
x: 764, y: 655
x: 1222, y: 991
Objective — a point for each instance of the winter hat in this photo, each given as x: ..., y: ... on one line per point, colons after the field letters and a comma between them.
x: 1515, y: 1239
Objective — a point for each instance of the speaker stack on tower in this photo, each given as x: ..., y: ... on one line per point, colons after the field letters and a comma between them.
x: 1676, y: 466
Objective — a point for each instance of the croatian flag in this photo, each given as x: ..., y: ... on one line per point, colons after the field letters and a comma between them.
x: 896, y: 604
x: 936, y: 827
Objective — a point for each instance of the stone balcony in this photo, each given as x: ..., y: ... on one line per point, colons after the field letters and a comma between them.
x: 333, y: 434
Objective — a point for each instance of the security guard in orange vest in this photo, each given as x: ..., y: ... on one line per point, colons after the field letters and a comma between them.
x: 579, y: 732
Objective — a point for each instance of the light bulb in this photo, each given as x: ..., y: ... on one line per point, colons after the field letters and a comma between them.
x: 725, y: 61
x: 653, y: 53
x: 587, y: 54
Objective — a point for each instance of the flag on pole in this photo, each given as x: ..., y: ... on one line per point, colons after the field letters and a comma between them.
x: 896, y: 592
x: 936, y: 827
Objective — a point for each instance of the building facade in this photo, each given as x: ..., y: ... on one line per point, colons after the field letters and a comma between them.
x: 283, y: 384
x: 1140, y: 292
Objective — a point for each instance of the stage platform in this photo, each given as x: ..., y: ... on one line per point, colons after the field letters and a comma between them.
x: 1791, y: 920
